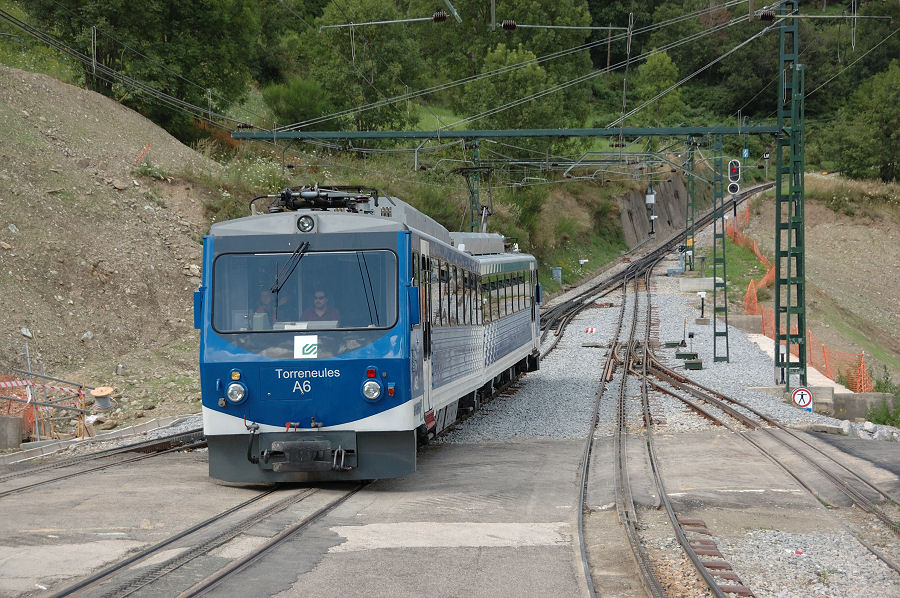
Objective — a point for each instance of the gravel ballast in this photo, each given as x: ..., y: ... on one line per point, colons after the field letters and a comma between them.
x: 556, y: 402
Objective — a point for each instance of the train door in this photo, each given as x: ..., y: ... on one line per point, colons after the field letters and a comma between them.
x: 425, y: 316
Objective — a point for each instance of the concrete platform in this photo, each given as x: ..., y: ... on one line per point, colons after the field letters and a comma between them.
x: 813, y: 376
x: 694, y: 285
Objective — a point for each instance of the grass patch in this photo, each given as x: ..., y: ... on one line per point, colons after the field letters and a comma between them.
x: 19, y: 50
x: 432, y: 117
x: 851, y: 198
x: 741, y: 266
x: 599, y: 252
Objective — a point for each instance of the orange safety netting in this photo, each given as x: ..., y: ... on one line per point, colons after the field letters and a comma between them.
x: 15, y: 407
x: 837, y: 365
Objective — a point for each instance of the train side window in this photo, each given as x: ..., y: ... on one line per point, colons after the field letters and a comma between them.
x: 521, y: 287
x: 497, y: 294
x: 486, y: 299
x: 464, y: 297
x: 526, y: 288
x: 506, y: 297
x: 469, y: 311
x: 435, y: 293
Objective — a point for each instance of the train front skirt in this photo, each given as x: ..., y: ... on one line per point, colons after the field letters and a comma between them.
x: 311, y: 455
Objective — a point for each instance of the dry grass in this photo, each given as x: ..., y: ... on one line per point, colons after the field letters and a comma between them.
x: 871, y: 199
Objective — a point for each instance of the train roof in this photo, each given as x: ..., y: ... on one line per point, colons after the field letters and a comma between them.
x: 353, y: 209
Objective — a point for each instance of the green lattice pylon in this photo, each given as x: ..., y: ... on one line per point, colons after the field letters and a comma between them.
x: 689, y: 240
x: 720, y: 296
x: 790, y: 273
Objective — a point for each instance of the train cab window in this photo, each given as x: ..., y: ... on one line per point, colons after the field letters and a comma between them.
x: 263, y: 292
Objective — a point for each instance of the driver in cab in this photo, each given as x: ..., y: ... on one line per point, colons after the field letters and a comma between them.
x: 320, y: 311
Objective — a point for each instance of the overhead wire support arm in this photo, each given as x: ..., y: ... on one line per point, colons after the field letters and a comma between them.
x: 438, y: 17
x: 510, y: 133
x: 512, y: 25
x: 453, y: 11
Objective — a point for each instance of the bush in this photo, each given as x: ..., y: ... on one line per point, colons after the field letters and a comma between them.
x: 885, y: 413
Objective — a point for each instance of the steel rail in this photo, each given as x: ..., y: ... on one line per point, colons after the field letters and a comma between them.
x: 116, y: 567
x: 554, y: 316
x: 185, y: 447
x: 608, y: 369
x: 774, y: 422
x: 161, y: 570
x: 142, y: 446
x: 769, y: 455
x: 686, y: 546
x: 624, y: 498
x: 238, y: 565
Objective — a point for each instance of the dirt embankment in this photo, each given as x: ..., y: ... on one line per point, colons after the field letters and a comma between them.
x: 98, y: 262
x: 853, y: 278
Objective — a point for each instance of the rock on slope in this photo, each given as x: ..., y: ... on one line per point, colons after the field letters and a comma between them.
x: 98, y: 263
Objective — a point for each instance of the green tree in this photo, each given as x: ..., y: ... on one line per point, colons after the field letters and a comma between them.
x: 485, y: 94
x: 273, y: 56
x: 457, y: 50
x: 362, y: 65
x: 193, y: 51
x: 654, y: 76
x: 296, y: 101
x: 866, y: 141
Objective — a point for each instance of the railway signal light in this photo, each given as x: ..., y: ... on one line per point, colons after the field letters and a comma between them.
x: 734, y: 171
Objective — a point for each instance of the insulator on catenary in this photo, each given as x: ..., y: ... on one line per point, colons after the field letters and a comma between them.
x: 767, y: 15
x: 439, y: 16
x: 508, y: 24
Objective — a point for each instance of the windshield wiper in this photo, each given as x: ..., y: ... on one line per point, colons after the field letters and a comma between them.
x: 368, y: 290
x: 284, y: 273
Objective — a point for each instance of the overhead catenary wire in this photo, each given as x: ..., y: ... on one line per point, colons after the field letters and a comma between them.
x: 110, y: 74
x: 152, y: 60
x: 830, y: 79
x: 695, y: 73
x: 503, y: 69
x: 592, y: 74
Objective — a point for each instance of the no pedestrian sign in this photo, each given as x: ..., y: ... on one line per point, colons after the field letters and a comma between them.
x: 802, y: 398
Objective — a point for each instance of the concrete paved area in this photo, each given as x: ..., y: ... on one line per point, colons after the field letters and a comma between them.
x: 475, y: 520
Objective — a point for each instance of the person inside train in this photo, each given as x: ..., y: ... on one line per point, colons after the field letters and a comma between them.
x: 264, y: 314
x: 320, y: 310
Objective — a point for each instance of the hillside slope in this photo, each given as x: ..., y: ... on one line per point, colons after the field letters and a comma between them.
x: 853, y: 278
x: 98, y: 262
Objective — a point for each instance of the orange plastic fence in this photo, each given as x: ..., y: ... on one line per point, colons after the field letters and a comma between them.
x: 849, y: 367
x: 15, y: 407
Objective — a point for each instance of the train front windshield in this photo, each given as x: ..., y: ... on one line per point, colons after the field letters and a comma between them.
x: 322, y: 291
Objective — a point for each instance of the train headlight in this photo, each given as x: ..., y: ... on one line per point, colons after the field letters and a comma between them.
x: 371, y: 390
x: 305, y: 224
x: 236, y: 392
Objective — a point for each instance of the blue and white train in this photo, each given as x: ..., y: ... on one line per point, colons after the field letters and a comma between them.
x: 342, y: 327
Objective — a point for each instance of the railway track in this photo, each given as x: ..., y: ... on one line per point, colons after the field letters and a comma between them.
x: 632, y: 358
x: 190, y: 440
x: 860, y: 491
x: 555, y: 319
x: 191, y: 568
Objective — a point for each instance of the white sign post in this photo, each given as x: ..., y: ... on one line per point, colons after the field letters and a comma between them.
x: 802, y: 398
